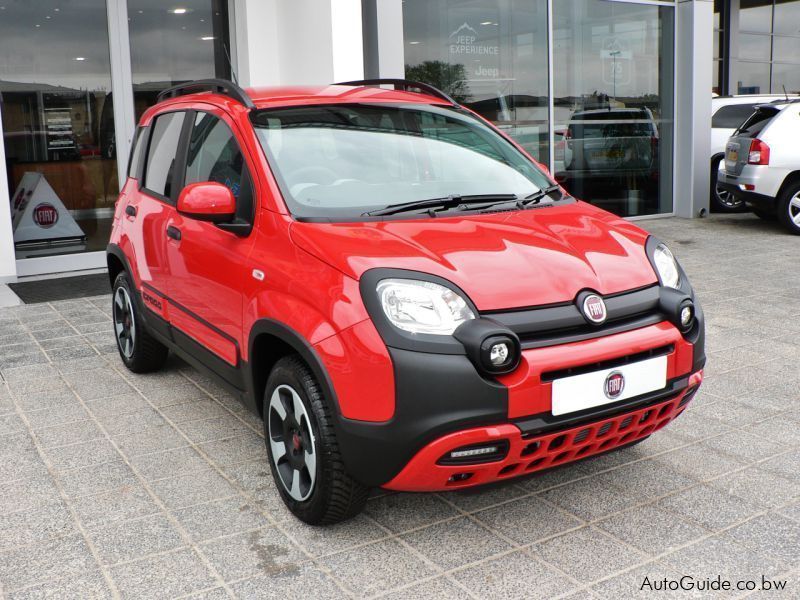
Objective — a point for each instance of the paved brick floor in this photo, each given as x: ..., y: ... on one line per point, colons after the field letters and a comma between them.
x: 115, y: 485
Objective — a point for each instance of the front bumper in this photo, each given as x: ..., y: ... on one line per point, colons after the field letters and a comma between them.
x: 529, y: 452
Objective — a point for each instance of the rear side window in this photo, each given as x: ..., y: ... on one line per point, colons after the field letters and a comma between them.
x: 731, y: 116
x: 753, y: 126
x: 160, y: 169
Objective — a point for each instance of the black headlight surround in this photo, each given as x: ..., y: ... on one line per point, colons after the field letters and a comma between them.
x: 479, y: 335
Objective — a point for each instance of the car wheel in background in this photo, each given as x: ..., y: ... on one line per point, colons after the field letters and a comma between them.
x: 723, y: 200
x: 789, y: 208
x: 302, y: 448
x: 140, y: 352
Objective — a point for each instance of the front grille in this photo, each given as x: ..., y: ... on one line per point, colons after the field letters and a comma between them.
x: 608, y: 364
x: 564, y: 323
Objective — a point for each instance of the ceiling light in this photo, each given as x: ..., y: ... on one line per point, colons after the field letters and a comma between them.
x: 486, y: 22
x: 80, y: 58
x: 179, y: 11
x: 207, y: 38
x: 413, y: 43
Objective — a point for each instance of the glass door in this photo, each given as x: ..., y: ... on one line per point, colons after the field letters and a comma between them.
x: 57, y: 126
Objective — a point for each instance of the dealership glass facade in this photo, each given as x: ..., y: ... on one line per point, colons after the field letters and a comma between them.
x: 59, y: 129
x: 606, y: 128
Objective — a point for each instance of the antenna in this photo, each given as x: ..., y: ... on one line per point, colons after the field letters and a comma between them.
x: 230, y: 64
x: 784, y: 93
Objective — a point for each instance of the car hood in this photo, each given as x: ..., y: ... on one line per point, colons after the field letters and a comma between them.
x: 501, y: 260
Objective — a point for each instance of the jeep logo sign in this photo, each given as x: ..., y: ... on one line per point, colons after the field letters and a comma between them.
x: 615, y: 383
x: 594, y: 309
x: 45, y: 215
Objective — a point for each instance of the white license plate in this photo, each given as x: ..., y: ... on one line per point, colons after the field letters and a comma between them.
x: 579, y: 392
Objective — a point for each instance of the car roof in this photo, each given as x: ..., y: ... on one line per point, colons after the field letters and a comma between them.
x: 287, y: 96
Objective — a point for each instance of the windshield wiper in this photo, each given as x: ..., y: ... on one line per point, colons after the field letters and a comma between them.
x: 536, y: 197
x: 442, y: 203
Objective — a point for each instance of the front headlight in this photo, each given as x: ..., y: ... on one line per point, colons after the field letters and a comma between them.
x: 422, y: 306
x: 666, y: 267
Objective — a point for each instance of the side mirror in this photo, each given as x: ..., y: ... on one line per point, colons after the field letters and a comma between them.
x: 207, y: 201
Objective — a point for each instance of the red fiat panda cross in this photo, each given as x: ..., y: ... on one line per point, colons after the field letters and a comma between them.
x: 397, y: 288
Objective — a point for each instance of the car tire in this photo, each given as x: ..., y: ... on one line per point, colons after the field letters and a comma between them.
x: 723, y: 201
x: 302, y: 448
x: 789, y: 208
x: 140, y: 351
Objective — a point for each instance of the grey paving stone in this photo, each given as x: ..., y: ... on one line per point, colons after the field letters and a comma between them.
x: 743, y: 446
x: 222, y: 517
x: 22, y: 464
x: 377, y: 567
x: 440, y: 588
x: 455, y: 543
x: 527, y: 520
x: 710, y: 507
x: 117, y: 405
x: 98, y: 383
x: 587, y: 554
x: 55, y: 559
x: 640, y: 583
x: 58, y: 394
x: 56, y: 415
x: 28, y: 378
x: 473, y: 499
x: 153, y: 439
x: 133, y: 422
x: 264, y: 551
x: 195, y: 488
x: 11, y: 423
x: 59, y: 355
x: 93, y: 480
x: 590, y: 498
x: 28, y: 493
x: 700, y: 462
x: 759, y: 486
x: 721, y: 556
x: 123, y: 503
x: 206, y: 430
x: 304, y: 582
x: 233, y: 450
x: 68, y: 433
x: 28, y: 526
x: 165, y: 576
x: 777, y: 429
x: 193, y: 410
x: 651, y: 530
x: 646, y: 479
x: 320, y: 541
x: 771, y: 535
x: 77, y: 456
x: 515, y: 575
x: 792, y: 511
x: 90, y: 584
x: 124, y: 541
x: 169, y: 463
x: 401, y: 512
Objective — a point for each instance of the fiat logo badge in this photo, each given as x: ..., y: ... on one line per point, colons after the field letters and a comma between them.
x: 615, y: 383
x: 594, y: 308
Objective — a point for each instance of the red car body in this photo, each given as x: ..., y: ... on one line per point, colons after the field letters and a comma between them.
x: 234, y: 304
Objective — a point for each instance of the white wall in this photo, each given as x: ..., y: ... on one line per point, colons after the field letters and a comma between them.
x: 8, y: 264
x: 298, y: 42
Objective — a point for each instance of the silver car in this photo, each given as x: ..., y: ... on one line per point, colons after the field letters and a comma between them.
x: 762, y: 163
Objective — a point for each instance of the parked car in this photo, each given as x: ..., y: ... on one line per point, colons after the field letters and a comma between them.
x: 403, y: 295
x: 762, y: 163
x: 727, y: 113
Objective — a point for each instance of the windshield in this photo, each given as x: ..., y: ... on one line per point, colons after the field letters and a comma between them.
x: 341, y: 161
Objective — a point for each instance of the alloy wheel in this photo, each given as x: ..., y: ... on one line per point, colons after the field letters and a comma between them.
x: 292, y: 443
x: 726, y: 198
x: 124, y: 322
x: 794, y: 209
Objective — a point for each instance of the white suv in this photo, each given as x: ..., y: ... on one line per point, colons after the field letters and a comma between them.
x: 727, y: 113
x: 762, y: 162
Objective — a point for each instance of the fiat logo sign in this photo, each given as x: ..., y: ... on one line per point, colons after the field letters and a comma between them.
x: 594, y: 309
x: 615, y: 383
x: 45, y: 215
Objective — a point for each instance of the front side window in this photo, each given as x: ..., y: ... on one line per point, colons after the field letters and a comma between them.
x: 341, y: 161
x: 214, y: 155
x: 163, y: 149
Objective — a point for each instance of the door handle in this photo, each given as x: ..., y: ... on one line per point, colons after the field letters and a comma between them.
x: 130, y: 210
x: 174, y: 233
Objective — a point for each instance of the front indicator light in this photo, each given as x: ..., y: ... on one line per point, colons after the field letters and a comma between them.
x: 473, y: 452
x: 476, y: 454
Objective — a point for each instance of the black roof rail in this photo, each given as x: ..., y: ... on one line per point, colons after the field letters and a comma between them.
x: 218, y: 86
x: 404, y: 85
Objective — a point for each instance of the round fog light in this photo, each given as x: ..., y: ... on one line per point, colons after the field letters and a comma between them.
x: 498, y: 354
x: 687, y: 314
